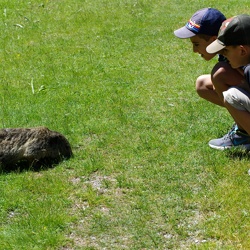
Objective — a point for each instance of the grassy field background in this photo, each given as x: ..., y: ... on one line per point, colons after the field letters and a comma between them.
x: 111, y: 77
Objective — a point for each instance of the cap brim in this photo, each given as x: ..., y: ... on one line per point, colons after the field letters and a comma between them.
x: 215, y: 47
x: 184, y: 33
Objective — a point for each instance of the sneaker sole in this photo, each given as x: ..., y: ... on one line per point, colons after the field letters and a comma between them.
x: 244, y: 147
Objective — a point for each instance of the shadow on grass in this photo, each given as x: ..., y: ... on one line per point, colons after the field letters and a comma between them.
x: 24, y: 166
x: 238, y: 154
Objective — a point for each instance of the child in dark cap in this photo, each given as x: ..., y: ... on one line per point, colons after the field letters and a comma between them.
x: 202, y: 29
x: 234, y: 43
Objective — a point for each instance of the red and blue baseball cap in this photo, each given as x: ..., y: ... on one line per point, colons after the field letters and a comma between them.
x: 206, y: 21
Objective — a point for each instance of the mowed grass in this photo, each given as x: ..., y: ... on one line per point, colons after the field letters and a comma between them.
x: 111, y: 77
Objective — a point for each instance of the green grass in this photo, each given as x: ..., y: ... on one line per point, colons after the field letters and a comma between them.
x: 111, y: 77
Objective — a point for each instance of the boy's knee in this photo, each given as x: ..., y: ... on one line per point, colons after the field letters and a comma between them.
x: 224, y: 76
x: 201, y: 83
x: 218, y: 73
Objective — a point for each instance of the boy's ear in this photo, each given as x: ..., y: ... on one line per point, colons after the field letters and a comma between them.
x: 244, y: 50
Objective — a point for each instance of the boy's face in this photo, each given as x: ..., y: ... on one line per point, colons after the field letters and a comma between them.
x: 200, y: 44
x: 237, y: 56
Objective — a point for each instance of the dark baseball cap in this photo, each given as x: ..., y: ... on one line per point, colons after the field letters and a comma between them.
x: 206, y: 21
x: 234, y: 31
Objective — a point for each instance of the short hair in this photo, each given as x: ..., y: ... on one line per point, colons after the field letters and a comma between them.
x: 203, y: 36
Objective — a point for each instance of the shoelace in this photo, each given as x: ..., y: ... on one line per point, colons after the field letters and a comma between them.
x: 231, y: 133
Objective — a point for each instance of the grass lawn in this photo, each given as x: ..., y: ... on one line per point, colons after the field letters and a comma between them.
x: 111, y: 76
